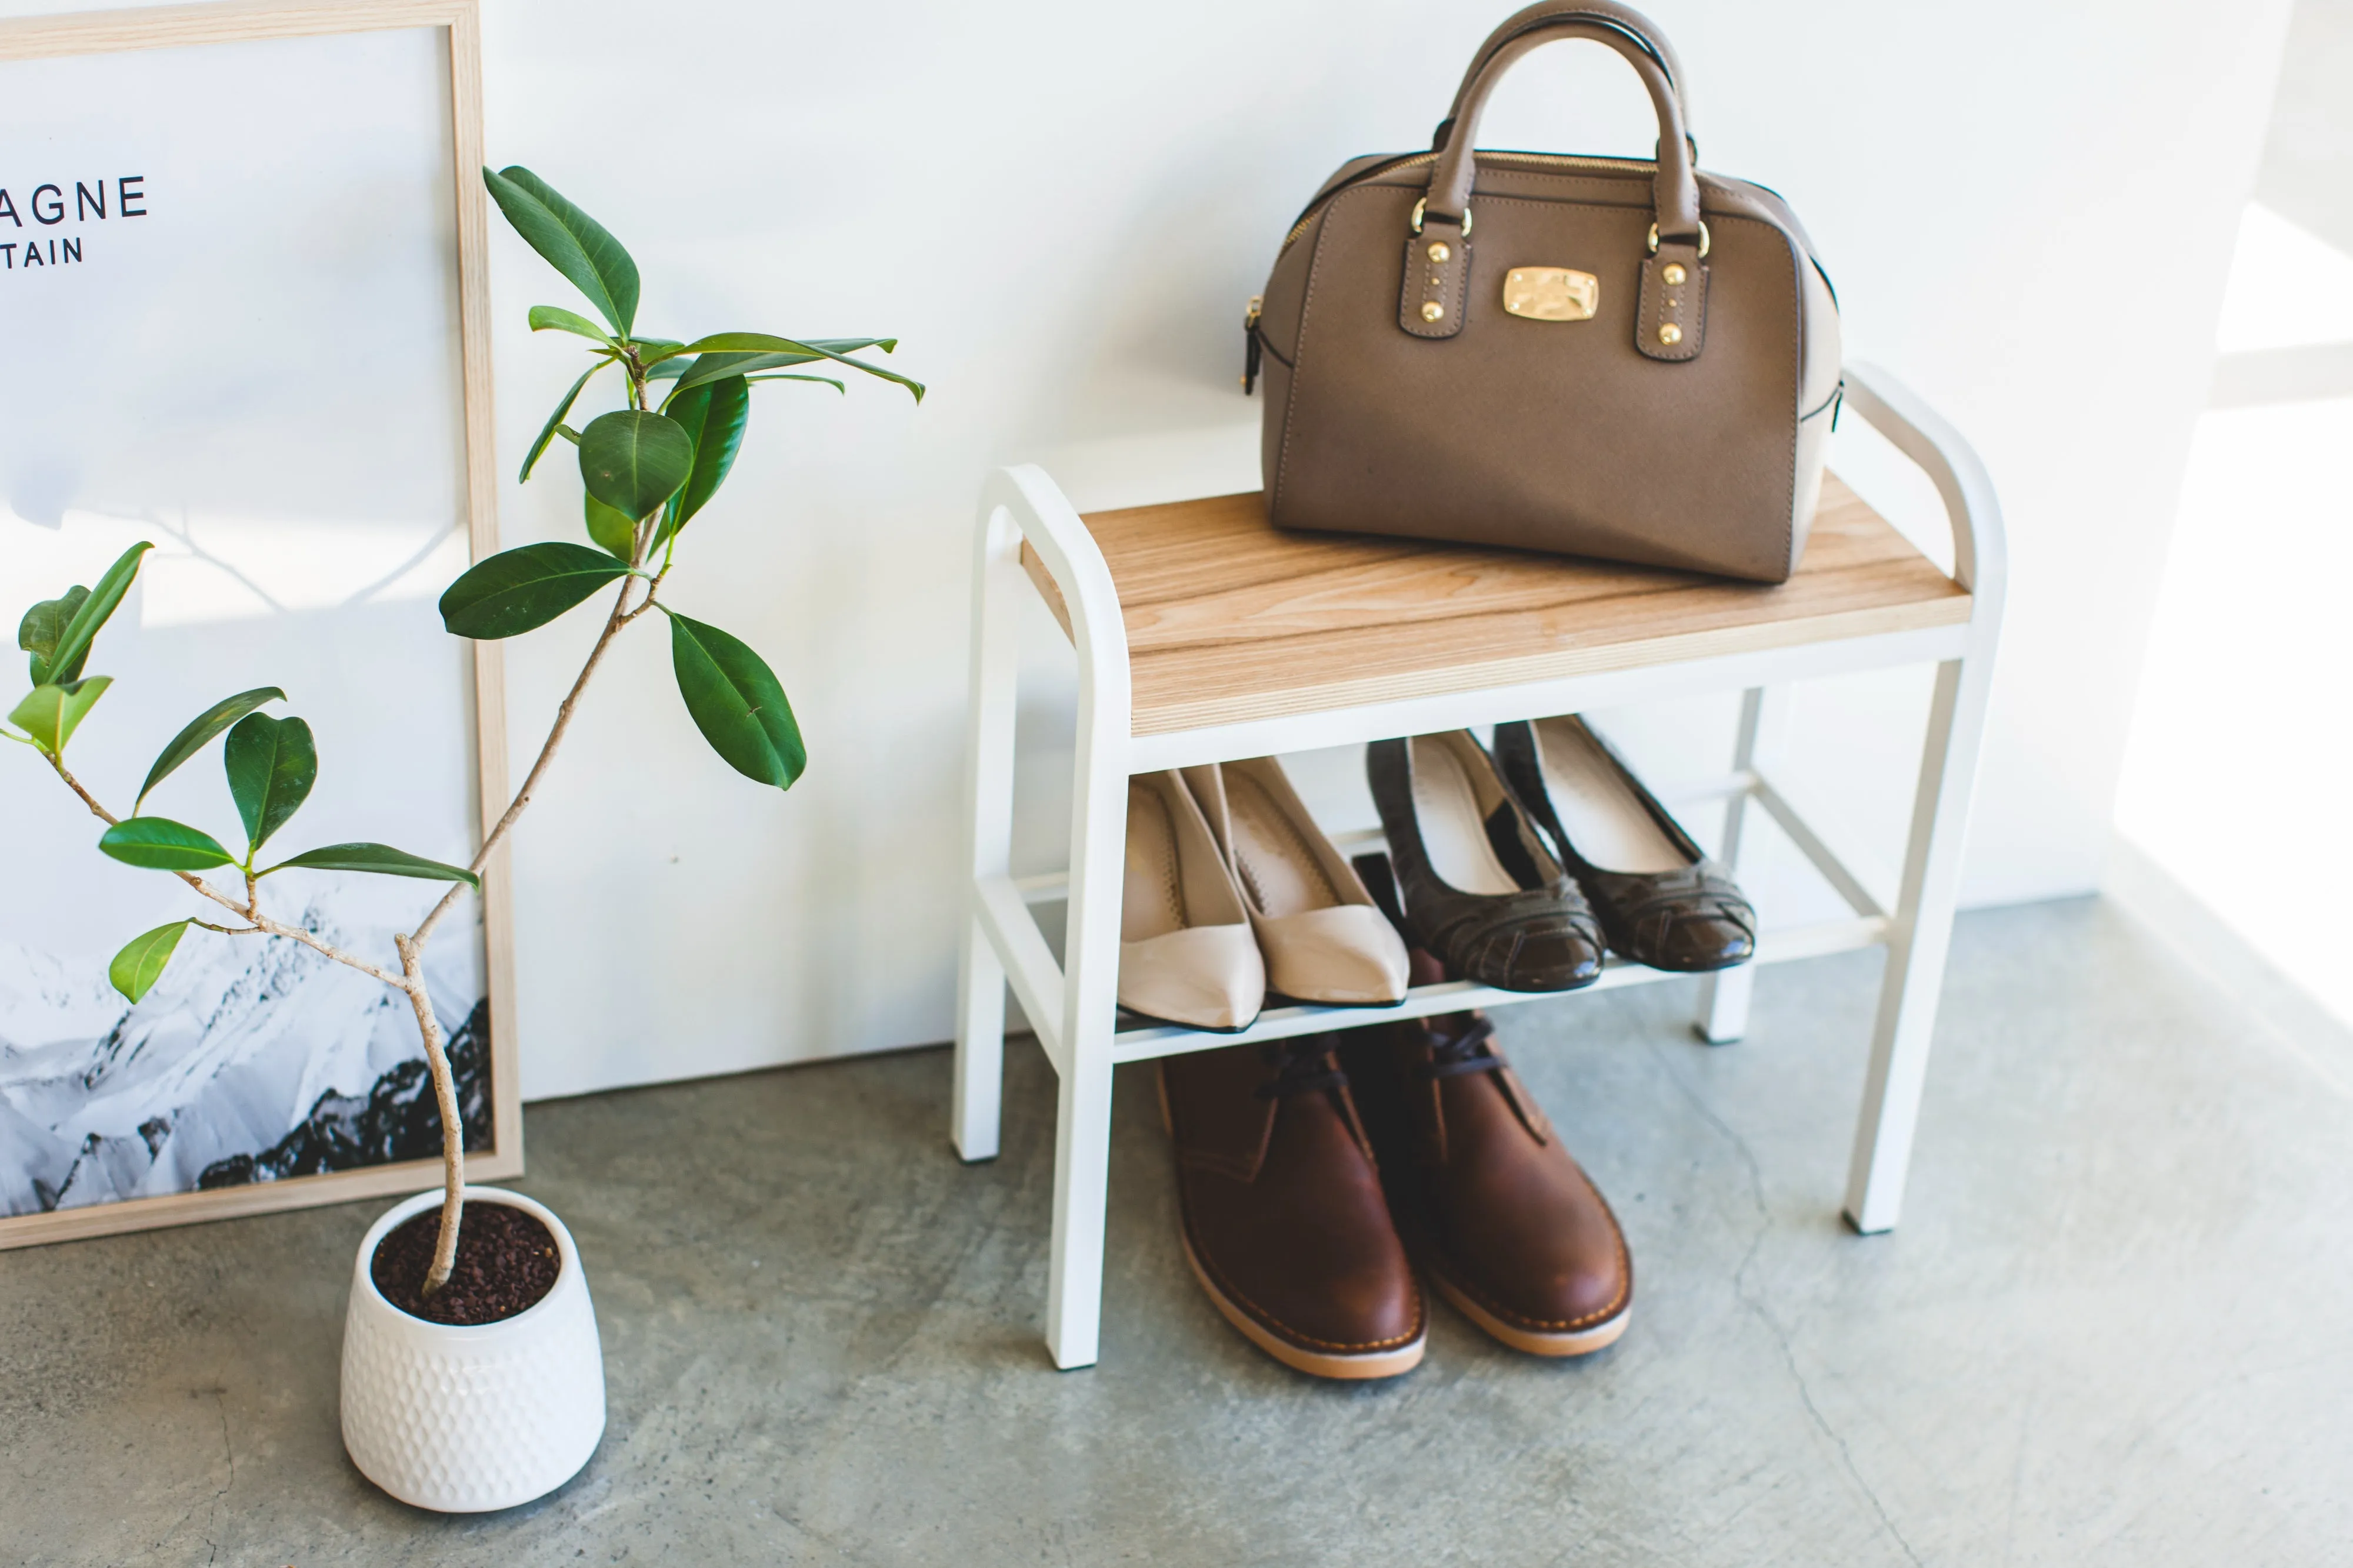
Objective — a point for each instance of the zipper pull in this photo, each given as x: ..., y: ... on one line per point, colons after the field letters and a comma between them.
x: 1250, y: 344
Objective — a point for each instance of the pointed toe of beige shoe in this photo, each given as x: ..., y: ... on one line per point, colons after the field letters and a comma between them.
x: 1343, y: 956
x: 1187, y: 954
x: 1324, y: 938
x: 1205, y: 977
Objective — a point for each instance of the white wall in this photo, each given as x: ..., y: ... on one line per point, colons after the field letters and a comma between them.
x: 1061, y: 206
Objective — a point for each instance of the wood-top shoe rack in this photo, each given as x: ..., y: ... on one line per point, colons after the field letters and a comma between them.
x: 1204, y: 634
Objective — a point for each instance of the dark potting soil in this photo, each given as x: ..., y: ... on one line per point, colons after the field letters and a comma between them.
x: 506, y: 1262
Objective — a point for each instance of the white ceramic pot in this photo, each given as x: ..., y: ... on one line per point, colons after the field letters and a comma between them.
x: 461, y: 1420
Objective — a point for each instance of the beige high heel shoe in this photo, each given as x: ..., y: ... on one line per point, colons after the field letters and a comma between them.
x: 1186, y: 951
x: 1324, y: 938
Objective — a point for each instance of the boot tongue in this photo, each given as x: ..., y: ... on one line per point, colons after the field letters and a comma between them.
x: 1311, y: 1066
x: 1462, y: 1048
x: 1220, y: 1122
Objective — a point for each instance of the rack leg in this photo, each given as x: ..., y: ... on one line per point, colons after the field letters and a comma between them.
x: 978, y: 1116
x: 1916, y: 948
x: 1724, y: 996
x: 1090, y: 999
x: 989, y: 806
x: 1082, y: 1197
x: 1083, y: 1108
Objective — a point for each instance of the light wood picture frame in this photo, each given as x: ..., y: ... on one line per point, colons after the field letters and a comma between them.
x: 197, y: 35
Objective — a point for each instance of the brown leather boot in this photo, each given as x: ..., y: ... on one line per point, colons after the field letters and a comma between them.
x: 1506, y: 1224
x: 1285, y: 1222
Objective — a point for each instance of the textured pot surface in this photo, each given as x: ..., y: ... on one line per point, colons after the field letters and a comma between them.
x: 466, y: 1418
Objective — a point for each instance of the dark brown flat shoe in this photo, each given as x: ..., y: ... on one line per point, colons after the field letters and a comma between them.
x: 1481, y: 890
x: 1285, y: 1222
x: 1661, y: 902
x: 1506, y: 1224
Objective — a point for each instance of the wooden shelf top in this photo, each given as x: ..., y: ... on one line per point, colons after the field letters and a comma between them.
x: 1229, y: 619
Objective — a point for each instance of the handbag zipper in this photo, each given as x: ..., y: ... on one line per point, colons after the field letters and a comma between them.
x: 1415, y: 161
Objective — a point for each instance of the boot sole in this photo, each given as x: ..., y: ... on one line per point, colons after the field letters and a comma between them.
x: 1347, y: 1367
x: 1370, y: 1365
x: 1536, y: 1342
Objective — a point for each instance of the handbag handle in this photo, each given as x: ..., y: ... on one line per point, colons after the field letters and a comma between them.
x: 1677, y: 188
x: 1541, y: 14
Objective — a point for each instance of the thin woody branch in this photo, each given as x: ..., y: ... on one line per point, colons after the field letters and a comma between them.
x: 296, y: 933
x: 614, y: 621
x: 249, y: 910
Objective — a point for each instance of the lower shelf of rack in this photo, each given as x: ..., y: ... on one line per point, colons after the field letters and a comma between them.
x: 1147, y: 1041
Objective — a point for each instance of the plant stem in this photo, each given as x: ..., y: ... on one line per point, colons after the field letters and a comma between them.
x: 453, y: 1129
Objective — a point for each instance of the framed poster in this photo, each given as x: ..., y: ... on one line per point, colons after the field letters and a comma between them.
x: 242, y: 290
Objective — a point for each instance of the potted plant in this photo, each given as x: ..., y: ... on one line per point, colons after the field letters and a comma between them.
x: 472, y: 1375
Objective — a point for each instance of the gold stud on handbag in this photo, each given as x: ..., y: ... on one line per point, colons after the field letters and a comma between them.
x: 1620, y: 358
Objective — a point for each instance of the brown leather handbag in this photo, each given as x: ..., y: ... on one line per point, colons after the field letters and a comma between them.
x: 1595, y: 356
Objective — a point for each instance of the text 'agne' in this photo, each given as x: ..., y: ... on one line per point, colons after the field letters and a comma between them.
x: 49, y: 207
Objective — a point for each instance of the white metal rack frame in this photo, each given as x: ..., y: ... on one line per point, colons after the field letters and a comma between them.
x: 1071, y: 1005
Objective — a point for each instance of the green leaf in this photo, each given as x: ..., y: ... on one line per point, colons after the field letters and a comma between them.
x: 713, y: 416
x: 271, y: 764
x: 381, y: 858
x: 633, y: 459
x: 518, y: 590
x: 718, y: 367
x: 762, y: 342
x: 74, y: 639
x: 738, y: 702
x: 668, y: 370
x: 571, y: 241
x: 712, y: 366
x: 544, y: 317
x: 803, y: 351
x: 51, y: 713
x: 160, y: 844
x: 201, y: 730
x: 46, y: 622
x: 554, y: 424
x: 140, y: 962
x: 824, y: 380
x: 609, y: 528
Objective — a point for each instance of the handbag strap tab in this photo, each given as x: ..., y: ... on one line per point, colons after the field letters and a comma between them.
x: 1437, y: 279
x: 1670, y: 320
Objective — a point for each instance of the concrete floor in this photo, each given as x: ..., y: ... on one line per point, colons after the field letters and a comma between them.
x: 2116, y: 1325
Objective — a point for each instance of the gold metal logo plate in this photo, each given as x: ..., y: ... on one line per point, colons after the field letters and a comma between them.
x: 1551, y: 293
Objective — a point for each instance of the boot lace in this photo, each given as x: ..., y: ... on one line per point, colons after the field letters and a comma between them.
x: 1451, y: 1055
x: 1304, y: 1064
